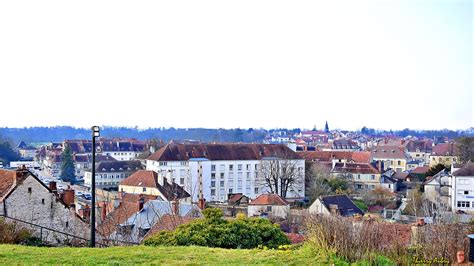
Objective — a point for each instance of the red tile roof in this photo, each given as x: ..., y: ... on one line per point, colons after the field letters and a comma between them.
x: 388, y: 152
x: 445, y: 149
x: 168, y: 222
x: 146, y: 178
x: 466, y: 170
x: 420, y: 170
x: 184, y: 152
x: 7, y: 180
x: 327, y: 156
x: 127, y: 207
x: 268, y: 199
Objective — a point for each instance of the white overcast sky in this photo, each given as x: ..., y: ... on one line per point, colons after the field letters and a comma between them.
x: 382, y: 64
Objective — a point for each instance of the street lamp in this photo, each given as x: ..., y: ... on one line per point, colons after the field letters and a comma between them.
x: 95, y: 134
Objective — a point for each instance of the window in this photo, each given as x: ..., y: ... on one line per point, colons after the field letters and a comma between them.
x: 248, y: 175
x: 372, y: 177
x: 29, y: 190
x: 358, y: 176
x: 269, y: 208
x: 222, y: 167
x: 231, y: 167
x: 222, y: 183
x: 239, y: 167
x: 466, y: 192
x: 144, y: 189
x: 399, y: 162
x: 231, y: 175
x: 248, y: 167
x: 67, y: 224
x: 213, y: 167
x: 181, y: 180
x: 230, y: 190
x: 463, y: 181
x: 256, y: 190
x: 184, y: 163
x: 213, y: 175
x: 163, y: 163
x: 239, y: 175
x: 463, y: 204
x: 213, y: 183
x: 222, y: 175
x: 256, y: 167
x: 239, y: 183
x: 213, y: 192
x: 181, y: 172
x: 42, y: 201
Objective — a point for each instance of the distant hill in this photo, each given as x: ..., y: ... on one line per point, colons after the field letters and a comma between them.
x: 57, y: 134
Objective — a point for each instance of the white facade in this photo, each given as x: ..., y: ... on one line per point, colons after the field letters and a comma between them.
x: 462, y: 193
x: 122, y: 155
x: 104, y: 180
x: 275, y: 211
x: 221, y: 177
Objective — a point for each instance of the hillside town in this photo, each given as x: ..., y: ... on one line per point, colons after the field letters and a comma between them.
x: 147, y: 186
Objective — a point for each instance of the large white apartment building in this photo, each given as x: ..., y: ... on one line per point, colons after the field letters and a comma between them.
x: 462, y: 189
x: 215, y: 170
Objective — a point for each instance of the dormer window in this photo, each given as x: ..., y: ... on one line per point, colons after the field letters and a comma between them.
x: 112, y: 169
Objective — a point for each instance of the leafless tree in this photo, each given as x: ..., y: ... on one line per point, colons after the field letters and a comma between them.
x: 279, y: 175
x: 316, y: 176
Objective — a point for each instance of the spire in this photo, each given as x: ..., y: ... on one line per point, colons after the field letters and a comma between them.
x: 326, y: 127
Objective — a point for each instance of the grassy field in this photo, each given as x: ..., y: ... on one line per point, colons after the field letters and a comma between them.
x: 15, y: 254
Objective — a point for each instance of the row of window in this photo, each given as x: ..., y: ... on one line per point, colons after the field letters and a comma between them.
x: 222, y: 192
x: 112, y: 176
x: 231, y: 175
x: 248, y: 167
x: 464, y: 204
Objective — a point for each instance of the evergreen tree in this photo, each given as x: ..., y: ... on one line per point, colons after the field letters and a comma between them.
x: 326, y: 128
x: 67, y: 166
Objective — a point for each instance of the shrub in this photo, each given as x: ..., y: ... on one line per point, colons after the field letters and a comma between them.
x: 214, y: 231
x: 12, y: 233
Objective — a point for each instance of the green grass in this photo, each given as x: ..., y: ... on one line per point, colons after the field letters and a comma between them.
x: 16, y: 254
x: 361, y: 205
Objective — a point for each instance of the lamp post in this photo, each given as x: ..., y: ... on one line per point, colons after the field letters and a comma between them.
x: 95, y: 134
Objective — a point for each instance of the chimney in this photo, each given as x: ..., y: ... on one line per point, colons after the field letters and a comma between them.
x: 103, y: 210
x: 52, y: 186
x: 201, y: 204
x: 141, y: 202
x: 334, y: 209
x: 68, y: 196
x: 175, y: 206
x: 87, y: 213
x: 421, y: 222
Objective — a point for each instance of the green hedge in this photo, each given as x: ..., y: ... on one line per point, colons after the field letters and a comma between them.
x: 214, y: 231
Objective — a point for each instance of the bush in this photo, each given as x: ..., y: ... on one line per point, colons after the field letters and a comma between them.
x: 214, y: 231
x: 12, y: 233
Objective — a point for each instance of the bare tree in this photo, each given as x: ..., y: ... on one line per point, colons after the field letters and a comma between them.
x: 316, y: 176
x: 279, y: 175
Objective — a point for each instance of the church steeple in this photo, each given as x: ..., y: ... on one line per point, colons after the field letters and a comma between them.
x: 326, y: 127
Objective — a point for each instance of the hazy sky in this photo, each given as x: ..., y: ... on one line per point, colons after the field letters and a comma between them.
x: 382, y: 64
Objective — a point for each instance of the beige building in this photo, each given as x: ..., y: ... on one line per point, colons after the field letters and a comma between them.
x: 444, y: 153
x: 150, y: 183
x: 393, y: 157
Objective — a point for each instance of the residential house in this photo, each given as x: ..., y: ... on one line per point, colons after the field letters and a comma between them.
x: 462, y: 189
x: 335, y: 205
x: 136, y: 215
x: 24, y: 197
x: 444, y: 153
x: 336, y: 156
x: 108, y: 174
x: 419, y: 150
x: 344, y: 145
x: 393, y: 157
x: 269, y: 205
x: 26, y: 152
x: 437, y: 187
x: 150, y: 183
x: 362, y: 176
x: 212, y: 171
